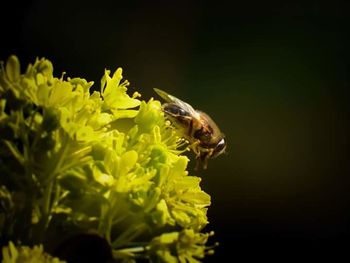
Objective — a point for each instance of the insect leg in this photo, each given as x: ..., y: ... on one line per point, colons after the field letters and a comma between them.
x: 206, y: 158
x: 198, y: 164
x: 195, y: 149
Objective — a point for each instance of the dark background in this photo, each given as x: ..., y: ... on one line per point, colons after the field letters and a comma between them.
x: 273, y: 75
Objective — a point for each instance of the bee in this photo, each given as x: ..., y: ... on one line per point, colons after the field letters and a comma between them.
x: 204, y: 136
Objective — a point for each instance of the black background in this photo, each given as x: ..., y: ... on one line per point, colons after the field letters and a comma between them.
x: 274, y: 76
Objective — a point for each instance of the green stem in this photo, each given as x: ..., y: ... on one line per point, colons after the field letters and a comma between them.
x: 80, y: 152
x: 105, y: 222
x: 131, y: 252
x: 50, y: 183
x: 79, y: 162
x: 132, y: 249
x: 15, y: 152
x: 47, y: 204
x: 61, y: 157
x: 128, y: 235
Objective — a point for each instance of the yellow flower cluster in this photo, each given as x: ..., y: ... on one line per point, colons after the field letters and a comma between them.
x: 100, y: 160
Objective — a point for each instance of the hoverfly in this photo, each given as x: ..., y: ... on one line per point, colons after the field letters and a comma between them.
x: 204, y: 136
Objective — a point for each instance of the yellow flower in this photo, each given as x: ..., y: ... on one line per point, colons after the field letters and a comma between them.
x: 94, y: 160
x: 184, y: 246
x: 25, y: 254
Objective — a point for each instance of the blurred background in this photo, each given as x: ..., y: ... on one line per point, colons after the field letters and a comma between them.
x: 273, y: 75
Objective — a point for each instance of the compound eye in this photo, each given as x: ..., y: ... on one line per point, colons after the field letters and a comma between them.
x: 220, y: 148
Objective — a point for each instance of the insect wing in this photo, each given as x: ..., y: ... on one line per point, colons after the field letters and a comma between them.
x: 167, y: 97
x: 183, y: 105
